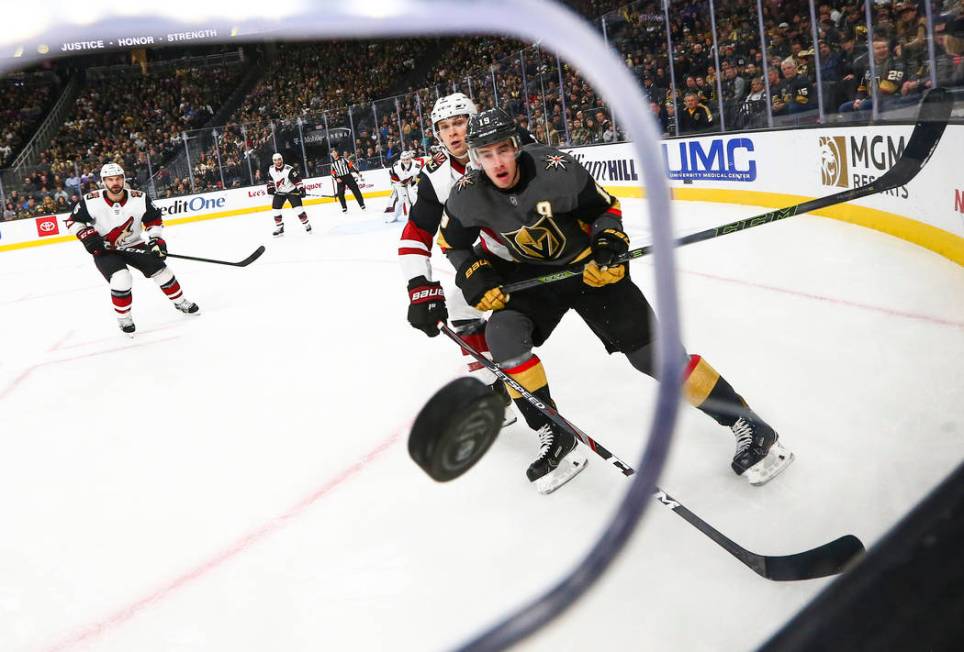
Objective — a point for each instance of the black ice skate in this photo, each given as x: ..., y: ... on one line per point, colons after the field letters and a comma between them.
x: 499, y: 388
x: 759, y: 455
x: 187, y: 307
x: 280, y: 231
x: 307, y: 228
x: 559, y: 461
x: 126, y: 324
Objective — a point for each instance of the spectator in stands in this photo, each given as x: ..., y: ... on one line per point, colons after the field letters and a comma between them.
x: 890, y: 72
x: 797, y: 91
x: 9, y: 211
x: 695, y: 117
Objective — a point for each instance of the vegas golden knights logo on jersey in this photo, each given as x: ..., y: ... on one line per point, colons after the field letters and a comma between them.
x: 543, y: 240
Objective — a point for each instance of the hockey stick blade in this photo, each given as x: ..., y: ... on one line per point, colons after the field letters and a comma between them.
x: 241, y: 263
x: 932, y: 116
x: 828, y: 559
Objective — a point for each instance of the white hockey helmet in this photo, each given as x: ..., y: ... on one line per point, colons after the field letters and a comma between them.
x: 407, y: 155
x: 111, y: 170
x: 452, y: 105
x: 277, y: 158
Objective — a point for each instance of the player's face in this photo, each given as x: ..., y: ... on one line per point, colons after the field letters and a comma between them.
x: 499, y: 162
x: 114, y: 184
x: 452, y: 132
x: 278, y: 163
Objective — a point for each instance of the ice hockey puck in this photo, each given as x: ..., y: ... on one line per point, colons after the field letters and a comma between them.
x: 455, y: 428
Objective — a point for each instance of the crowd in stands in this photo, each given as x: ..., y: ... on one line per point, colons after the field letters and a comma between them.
x: 24, y: 101
x: 311, y: 95
x: 125, y: 118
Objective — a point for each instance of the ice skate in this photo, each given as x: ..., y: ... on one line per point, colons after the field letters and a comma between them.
x: 499, y: 388
x: 280, y: 231
x: 759, y: 456
x: 187, y: 307
x: 559, y: 461
x: 126, y: 324
x: 307, y: 228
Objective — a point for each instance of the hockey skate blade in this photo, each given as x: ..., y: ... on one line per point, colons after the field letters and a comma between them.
x: 775, y: 463
x: 569, y: 467
x: 510, y: 418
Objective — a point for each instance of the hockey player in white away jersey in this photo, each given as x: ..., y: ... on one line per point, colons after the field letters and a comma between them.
x: 286, y: 185
x: 114, y: 220
x: 404, y: 174
x: 427, y: 302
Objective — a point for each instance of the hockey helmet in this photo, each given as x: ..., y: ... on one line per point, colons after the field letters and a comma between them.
x: 491, y: 126
x: 407, y: 155
x: 451, y: 106
x: 111, y: 170
x: 276, y: 158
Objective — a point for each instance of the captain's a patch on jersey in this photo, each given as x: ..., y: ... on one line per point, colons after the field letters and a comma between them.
x: 555, y: 162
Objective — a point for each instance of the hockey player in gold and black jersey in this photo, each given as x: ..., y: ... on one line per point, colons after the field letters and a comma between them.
x: 536, y: 209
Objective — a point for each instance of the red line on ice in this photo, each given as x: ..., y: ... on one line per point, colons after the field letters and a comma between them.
x: 843, y: 302
x: 26, y: 372
x: 122, y: 615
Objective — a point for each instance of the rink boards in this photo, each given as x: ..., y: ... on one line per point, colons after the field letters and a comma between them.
x: 771, y: 169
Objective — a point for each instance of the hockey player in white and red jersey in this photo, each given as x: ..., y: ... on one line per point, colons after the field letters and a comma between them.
x: 404, y: 174
x: 427, y: 302
x: 113, y: 223
x: 286, y: 185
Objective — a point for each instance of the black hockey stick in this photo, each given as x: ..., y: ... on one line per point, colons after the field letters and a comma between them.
x: 241, y: 263
x: 828, y: 559
x: 932, y: 118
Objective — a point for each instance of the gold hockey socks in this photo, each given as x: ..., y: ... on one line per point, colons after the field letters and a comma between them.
x: 705, y: 389
x: 532, y: 376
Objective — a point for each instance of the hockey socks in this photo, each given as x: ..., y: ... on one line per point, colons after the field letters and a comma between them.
x: 707, y: 390
x: 172, y: 290
x: 532, y: 376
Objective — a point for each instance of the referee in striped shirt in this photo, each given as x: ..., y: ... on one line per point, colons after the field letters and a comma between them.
x: 344, y: 172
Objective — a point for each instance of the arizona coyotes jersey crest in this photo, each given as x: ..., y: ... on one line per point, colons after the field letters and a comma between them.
x: 120, y: 223
x: 285, y: 180
x: 546, y: 218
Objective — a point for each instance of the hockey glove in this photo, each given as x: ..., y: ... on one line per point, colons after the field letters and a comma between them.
x: 93, y: 242
x: 595, y: 276
x: 426, y: 305
x: 302, y: 192
x: 158, y: 247
x: 270, y: 188
x: 480, y: 284
x: 608, y: 245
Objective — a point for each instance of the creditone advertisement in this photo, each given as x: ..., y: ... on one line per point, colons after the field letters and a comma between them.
x: 764, y: 169
x: 18, y: 234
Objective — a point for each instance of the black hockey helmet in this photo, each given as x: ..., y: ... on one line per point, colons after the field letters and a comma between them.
x: 491, y: 126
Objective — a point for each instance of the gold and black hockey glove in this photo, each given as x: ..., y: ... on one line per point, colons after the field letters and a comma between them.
x: 481, y: 285
x: 607, y: 246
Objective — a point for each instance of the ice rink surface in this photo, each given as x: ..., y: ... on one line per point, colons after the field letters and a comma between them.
x: 240, y: 480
